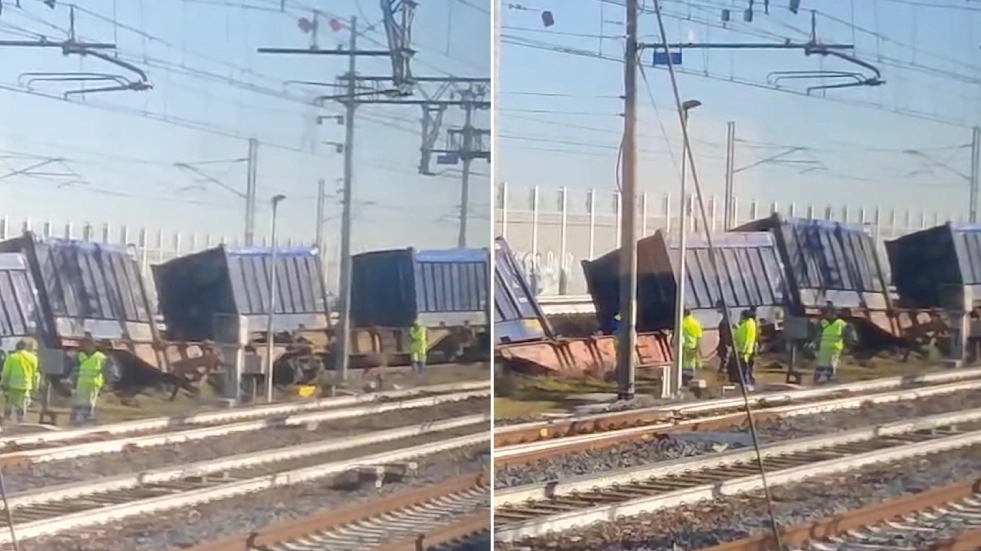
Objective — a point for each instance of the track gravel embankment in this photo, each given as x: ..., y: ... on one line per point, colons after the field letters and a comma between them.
x: 708, y: 523
x: 29, y: 476
x: 644, y: 452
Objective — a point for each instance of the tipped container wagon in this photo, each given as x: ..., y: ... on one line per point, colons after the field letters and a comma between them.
x: 749, y: 275
x: 445, y: 290
x: 209, y: 295
x: 518, y: 317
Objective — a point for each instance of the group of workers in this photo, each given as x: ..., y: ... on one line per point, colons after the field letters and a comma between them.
x: 739, y: 345
x: 21, y: 379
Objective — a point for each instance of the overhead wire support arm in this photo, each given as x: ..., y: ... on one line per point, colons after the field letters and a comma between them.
x: 72, y: 46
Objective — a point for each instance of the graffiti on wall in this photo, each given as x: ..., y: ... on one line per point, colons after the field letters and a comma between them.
x: 548, y: 272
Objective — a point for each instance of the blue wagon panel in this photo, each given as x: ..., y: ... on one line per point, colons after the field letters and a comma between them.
x: 749, y: 275
x: 930, y: 266
x: 19, y: 310
x: 827, y: 261
x: 86, y: 287
x: 392, y: 288
x: 518, y: 317
x: 194, y: 290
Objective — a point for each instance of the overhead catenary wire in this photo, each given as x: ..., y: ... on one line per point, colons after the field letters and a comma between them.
x: 688, y: 157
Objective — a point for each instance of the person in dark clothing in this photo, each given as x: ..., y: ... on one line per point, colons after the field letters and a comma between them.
x: 725, y: 350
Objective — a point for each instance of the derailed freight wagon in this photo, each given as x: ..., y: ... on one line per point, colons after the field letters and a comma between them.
x: 749, y: 273
x: 20, y: 314
x: 205, y: 296
x: 445, y: 290
x: 831, y: 262
x: 518, y: 317
x: 95, y: 290
x: 939, y: 270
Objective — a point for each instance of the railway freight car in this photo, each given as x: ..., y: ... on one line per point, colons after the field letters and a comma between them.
x: 205, y: 296
x: 528, y: 342
x: 749, y: 274
x: 95, y: 290
x: 445, y: 290
x: 518, y: 317
x: 831, y: 262
x: 20, y: 314
x: 938, y: 267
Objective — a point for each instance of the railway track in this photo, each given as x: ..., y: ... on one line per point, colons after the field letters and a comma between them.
x: 387, y: 454
x: 626, y: 447
x: 454, y: 514
x: 55, y: 446
x: 536, y: 510
x: 527, y: 442
x: 940, y: 519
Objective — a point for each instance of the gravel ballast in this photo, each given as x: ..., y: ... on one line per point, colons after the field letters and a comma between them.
x: 644, y: 452
x: 194, y: 525
x: 709, y: 523
x: 31, y: 476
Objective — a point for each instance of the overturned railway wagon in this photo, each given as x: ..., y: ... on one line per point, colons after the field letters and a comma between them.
x: 219, y: 293
x: 938, y: 267
x: 445, y: 290
x: 20, y: 314
x: 527, y: 341
x: 831, y: 262
x: 518, y: 317
x: 750, y: 274
x: 95, y: 289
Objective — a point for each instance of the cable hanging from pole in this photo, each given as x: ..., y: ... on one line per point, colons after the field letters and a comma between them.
x: 688, y: 157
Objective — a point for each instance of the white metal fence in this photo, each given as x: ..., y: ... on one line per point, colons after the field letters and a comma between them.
x: 553, y: 230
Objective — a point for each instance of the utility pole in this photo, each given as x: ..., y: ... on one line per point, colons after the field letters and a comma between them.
x: 398, y: 15
x: 467, y: 158
x: 728, y: 216
x: 347, y: 196
x: 250, y: 191
x: 975, y: 176
x: 626, y: 341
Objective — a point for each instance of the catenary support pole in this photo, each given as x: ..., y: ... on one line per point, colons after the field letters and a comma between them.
x: 468, y: 147
x: 344, y: 333
x: 975, y: 176
x: 250, y: 191
x: 729, y: 216
x: 627, y: 337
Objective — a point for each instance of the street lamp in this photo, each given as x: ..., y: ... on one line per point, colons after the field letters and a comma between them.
x: 674, y: 384
x: 270, y: 315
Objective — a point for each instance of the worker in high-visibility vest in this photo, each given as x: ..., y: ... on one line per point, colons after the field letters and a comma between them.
x: 746, y: 334
x: 691, y: 337
x: 832, y: 333
x: 19, y: 380
x: 89, y: 381
x: 418, y: 346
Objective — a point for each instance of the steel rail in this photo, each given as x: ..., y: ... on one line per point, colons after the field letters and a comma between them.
x: 73, y: 497
x: 188, y: 493
x: 235, y: 414
x: 584, y: 424
x: 632, y: 494
x: 532, y: 451
x: 878, y: 527
x: 117, y: 445
x: 458, y: 532
x: 368, y: 525
x: 517, y: 495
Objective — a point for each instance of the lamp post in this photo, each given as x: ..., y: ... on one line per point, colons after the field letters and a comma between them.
x: 270, y: 315
x: 674, y: 386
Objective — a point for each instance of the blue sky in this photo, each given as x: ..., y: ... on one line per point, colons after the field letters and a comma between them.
x: 110, y: 156
x: 900, y: 145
